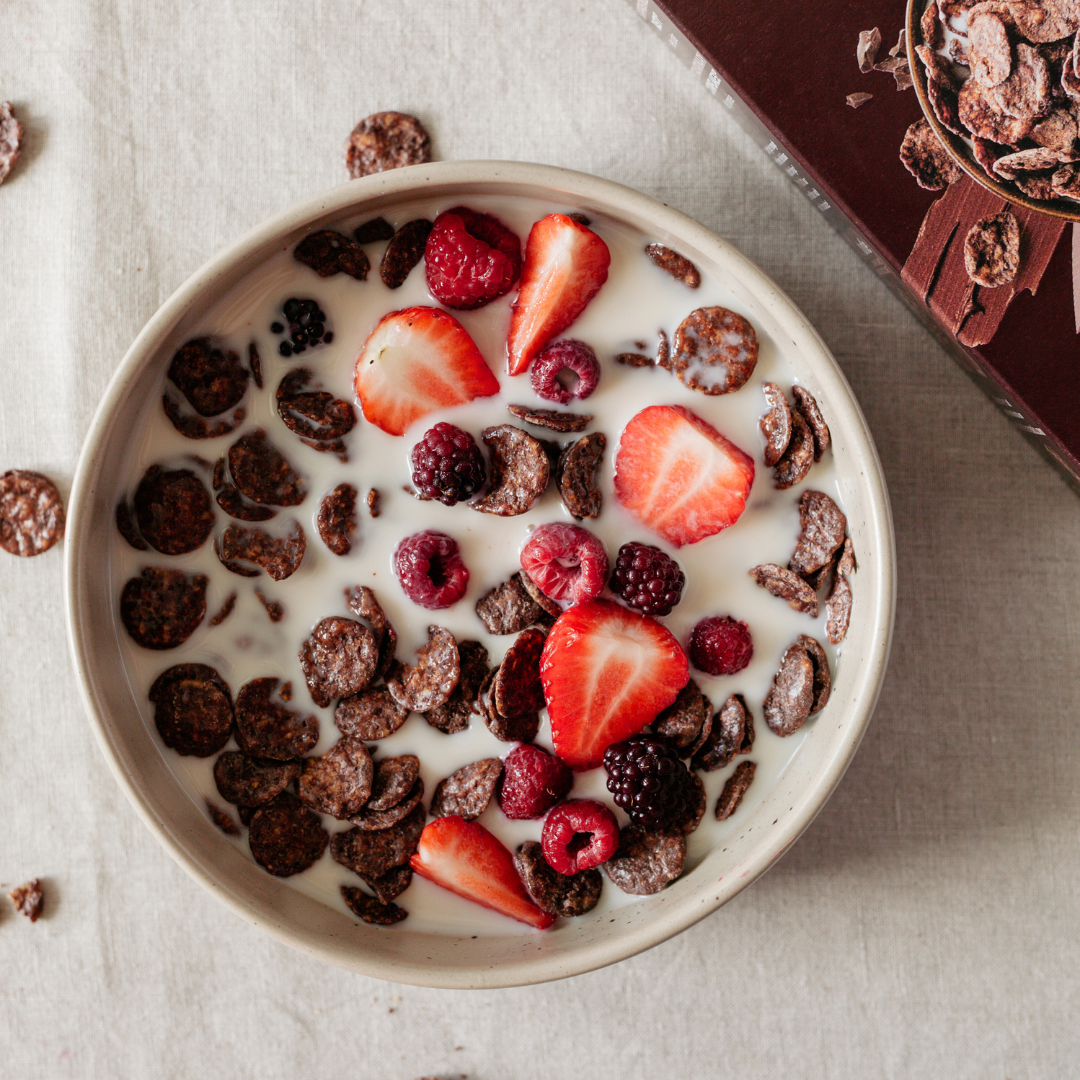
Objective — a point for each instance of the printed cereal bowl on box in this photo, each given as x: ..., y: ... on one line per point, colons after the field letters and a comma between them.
x: 489, y: 639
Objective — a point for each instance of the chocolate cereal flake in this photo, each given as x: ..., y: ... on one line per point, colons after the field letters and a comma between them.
x: 678, y: 266
x: 633, y: 359
x: 228, y: 497
x: 247, y: 781
x: 715, y: 350
x: 980, y: 113
x: 683, y: 719
x: 29, y: 899
x: 11, y: 137
x: 371, y: 910
x: 386, y: 140
x: 509, y: 609
x: 734, y: 789
x: 373, y: 231
x: 732, y: 734
x: 338, y: 659
x: 265, y: 728
x: 1045, y: 20
x: 263, y: 473
x: 31, y: 513
x: 173, y: 510
x: 286, y: 837
x: 555, y: 419
x: 371, y: 714
x: 791, y: 695
x: 394, y: 779
x: 787, y: 585
x: 930, y: 25
x: 279, y: 556
x: 798, y: 458
x: 364, y: 605
x: 225, y: 610
x: 824, y: 528
x: 549, y: 605
x: 822, y: 675
x: 315, y: 415
x: 520, y: 728
x: 212, y: 380
x: 646, y: 862
x: 328, y: 253
x: 467, y: 792
x: 193, y: 426
x: 125, y: 526
x: 989, y: 51
x: 371, y: 853
x: 389, y: 886
x: 339, y: 782
x: 847, y: 564
x: 404, y: 251
x: 275, y: 609
x: 838, y: 610
x: 575, y: 476
x: 558, y: 894
x: 926, y: 158
x: 519, y: 471
x: 456, y: 712
x: 517, y: 690
x: 161, y: 609
x: 432, y: 680
x: 193, y: 709
x: 223, y: 820
x: 376, y: 820
x: 775, y: 423
x: 807, y: 404
x: 336, y: 520
x: 992, y: 250
x: 373, y: 497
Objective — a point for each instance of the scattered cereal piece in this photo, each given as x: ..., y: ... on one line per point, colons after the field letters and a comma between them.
x: 791, y: 695
x: 645, y: 862
x: 519, y: 472
x: 340, y: 658
x: 838, y: 610
x: 992, y: 250
x: 715, y: 350
x: 867, y: 49
x: 161, y: 609
x: 558, y: 894
x: 555, y: 419
x: 404, y: 251
x: 824, y: 528
x: 926, y: 158
x: 286, y: 837
x: 212, y: 380
x: 225, y: 610
x: 265, y: 728
x: 386, y: 140
x: 509, y: 609
x: 371, y: 910
x: 373, y: 853
x: 173, y: 510
x: 376, y: 820
x: 734, y: 789
x: 373, y: 231
x: 223, y: 820
x: 11, y: 137
x: 329, y: 253
x: 787, y: 585
x: 249, y: 782
x: 732, y: 734
x: 456, y: 712
x: 811, y: 413
x: 263, y: 473
x: 775, y: 423
x: 394, y: 779
x: 432, y: 680
x: 193, y: 709
x: 678, y: 266
x: 29, y: 899
x: 373, y: 497
x: 336, y: 520
x: 31, y: 513
x: 575, y: 476
x: 279, y: 556
x: 798, y: 458
x: 339, y: 782
x: 468, y: 792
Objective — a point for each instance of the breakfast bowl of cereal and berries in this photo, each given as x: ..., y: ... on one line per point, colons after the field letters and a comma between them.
x: 479, y: 574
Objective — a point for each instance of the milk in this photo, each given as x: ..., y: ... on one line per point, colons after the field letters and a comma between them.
x: 637, y: 301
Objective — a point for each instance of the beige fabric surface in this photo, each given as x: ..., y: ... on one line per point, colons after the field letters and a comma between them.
x: 927, y: 924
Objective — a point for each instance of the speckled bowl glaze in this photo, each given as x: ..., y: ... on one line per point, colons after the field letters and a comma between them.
x: 579, y: 945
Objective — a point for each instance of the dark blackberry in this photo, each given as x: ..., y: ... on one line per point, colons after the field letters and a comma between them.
x: 647, y: 579
x: 277, y: 328
x: 648, y: 780
x: 447, y: 465
x: 306, y: 326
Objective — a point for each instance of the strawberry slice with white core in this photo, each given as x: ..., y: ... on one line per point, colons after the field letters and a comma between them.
x: 679, y: 476
x: 465, y: 858
x: 607, y: 672
x: 416, y: 361
x: 565, y: 265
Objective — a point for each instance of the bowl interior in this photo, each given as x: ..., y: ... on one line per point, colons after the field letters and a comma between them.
x: 446, y: 959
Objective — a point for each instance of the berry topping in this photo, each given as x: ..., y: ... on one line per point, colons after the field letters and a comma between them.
x: 306, y: 326
x: 416, y: 361
x: 679, y: 476
x: 647, y: 579
x: 471, y: 258
x: 648, y: 780
x: 720, y: 646
x: 447, y: 465
x: 607, y: 672
x: 465, y: 858
x: 533, y: 782
x: 565, y: 562
x: 566, y: 370
x: 578, y: 835
x: 428, y: 565
x: 565, y: 265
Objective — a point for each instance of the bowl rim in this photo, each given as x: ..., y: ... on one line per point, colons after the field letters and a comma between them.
x: 617, y: 200
x: 958, y: 149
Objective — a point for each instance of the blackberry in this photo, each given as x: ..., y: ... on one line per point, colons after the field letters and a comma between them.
x: 647, y: 579
x: 648, y: 780
x: 447, y: 465
x: 306, y: 326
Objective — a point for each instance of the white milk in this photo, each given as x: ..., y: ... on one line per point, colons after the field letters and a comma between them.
x: 637, y: 301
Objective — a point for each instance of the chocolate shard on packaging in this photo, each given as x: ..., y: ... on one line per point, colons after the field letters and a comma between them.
x: 986, y: 284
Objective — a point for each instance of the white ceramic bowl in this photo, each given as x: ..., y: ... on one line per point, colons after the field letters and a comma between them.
x: 585, y: 943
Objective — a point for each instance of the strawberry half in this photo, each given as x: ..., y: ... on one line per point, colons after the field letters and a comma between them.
x: 607, y: 672
x: 465, y: 858
x: 565, y: 265
x: 416, y: 361
x: 679, y: 476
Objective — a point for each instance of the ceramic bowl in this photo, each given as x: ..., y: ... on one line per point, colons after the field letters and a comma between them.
x: 448, y: 960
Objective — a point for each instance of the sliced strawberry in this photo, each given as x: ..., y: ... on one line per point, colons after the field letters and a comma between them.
x: 607, y: 672
x: 465, y: 858
x: 679, y: 476
x: 416, y: 361
x: 565, y: 265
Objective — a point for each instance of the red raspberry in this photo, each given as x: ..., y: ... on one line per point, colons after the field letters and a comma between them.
x: 447, y: 465
x: 471, y: 259
x: 533, y: 782
x: 647, y: 579
x: 428, y: 565
x: 720, y: 646
x: 573, y: 356
x: 578, y: 835
x: 565, y: 562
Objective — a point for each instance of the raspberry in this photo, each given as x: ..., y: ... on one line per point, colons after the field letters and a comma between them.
x: 647, y: 579
x: 578, y: 835
x: 307, y: 326
x: 565, y: 562
x: 429, y: 567
x: 533, y: 782
x: 573, y: 356
x: 720, y: 646
x: 471, y: 259
x: 447, y: 465
x: 648, y: 780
